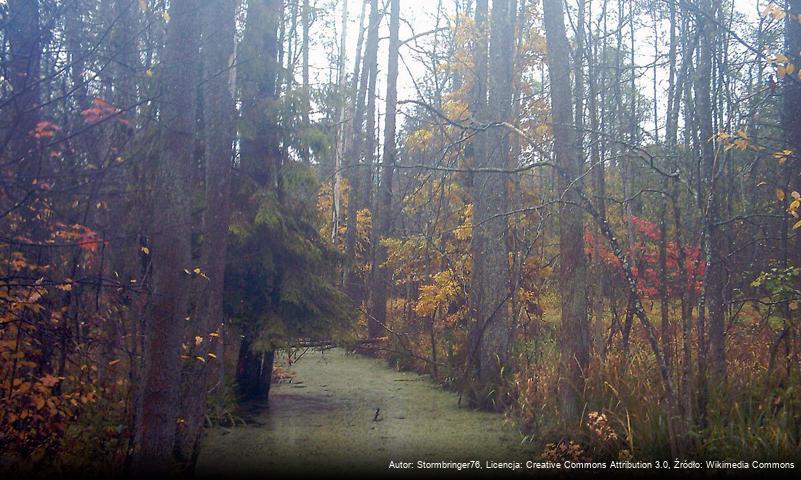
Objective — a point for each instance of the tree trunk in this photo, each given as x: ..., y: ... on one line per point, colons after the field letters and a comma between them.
x: 341, y: 128
x: 572, y: 264
x: 259, y: 60
x: 306, y: 23
x: 353, y: 173
x: 791, y: 105
x: 257, y: 77
x: 248, y: 369
x: 715, y: 274
x: 374, y: 329
x: 383, y: 216
x: 170, y: 247
x: 24, y: 67
x: 493, y: 330
x: 218, y: 31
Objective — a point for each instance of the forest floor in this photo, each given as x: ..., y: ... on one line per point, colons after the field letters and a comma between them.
x: 323, y: 422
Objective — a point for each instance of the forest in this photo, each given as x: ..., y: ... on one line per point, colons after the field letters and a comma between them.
x: 567, y: 230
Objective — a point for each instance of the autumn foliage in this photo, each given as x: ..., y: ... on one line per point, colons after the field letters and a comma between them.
x: 644, y: 254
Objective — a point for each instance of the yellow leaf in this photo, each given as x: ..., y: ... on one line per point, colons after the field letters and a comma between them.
x: 149, y: 72
x: 212, y: 355
x: 198, y: 340
x: 780, y: 194
x: 201, y: 359
x: 146, y: 250
x: 166, y: 16
x: 797, y: 225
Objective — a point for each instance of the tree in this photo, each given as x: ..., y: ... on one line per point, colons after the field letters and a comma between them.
x: 25, y: 52
x: 383, y: 215
x: 170, y: 245
x: 261, y: 160
x: 339, y: 147
x: 355, y: 170
x: 492, y: 330
x: 711, y: 200
x: 206, y: 320
x: 572, y: 263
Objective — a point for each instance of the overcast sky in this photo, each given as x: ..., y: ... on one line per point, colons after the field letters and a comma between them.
x: 420, y: 16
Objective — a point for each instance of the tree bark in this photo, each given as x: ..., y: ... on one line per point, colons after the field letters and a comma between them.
x: 218, y: 32
x: 715, y: 274
x: 341, y: 128
x: 494, y: 330
x: 382, y: 223
x: 353, y: 173
x: 23, y: 35
x: 259, y: 60
x: 306, y: 24
x: 791, y: 106
x: 170, y: 247
x: 258, y: 78
x: 572, y: 264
